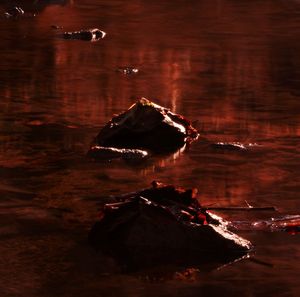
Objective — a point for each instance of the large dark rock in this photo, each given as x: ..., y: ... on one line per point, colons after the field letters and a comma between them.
x: 147, y: 126
x: 164, y: 224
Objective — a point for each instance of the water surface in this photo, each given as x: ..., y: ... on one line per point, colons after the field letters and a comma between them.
x: 232, y: 66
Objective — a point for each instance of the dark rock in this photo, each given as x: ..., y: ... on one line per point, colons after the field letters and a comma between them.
x: 164, y: 224
x: 147, y: 126
x: 88, y: 34
x: 14, y: 12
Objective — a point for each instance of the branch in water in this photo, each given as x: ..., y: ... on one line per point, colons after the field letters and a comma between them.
x: 241, y: 208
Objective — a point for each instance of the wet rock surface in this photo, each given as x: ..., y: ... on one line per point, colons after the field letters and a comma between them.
x: 147, y: 126
x: 102, y: 152
x: 162, y: 224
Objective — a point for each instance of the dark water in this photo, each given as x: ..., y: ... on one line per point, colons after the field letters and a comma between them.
x: 233, y: 66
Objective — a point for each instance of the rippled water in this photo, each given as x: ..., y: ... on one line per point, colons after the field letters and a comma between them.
x: 232, y: 66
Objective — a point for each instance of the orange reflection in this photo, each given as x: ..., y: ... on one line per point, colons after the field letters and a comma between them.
x: 218, y: 69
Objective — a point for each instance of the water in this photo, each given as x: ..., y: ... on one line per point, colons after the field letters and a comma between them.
x: 232, y: 66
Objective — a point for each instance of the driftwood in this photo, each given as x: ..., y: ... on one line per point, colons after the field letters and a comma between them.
x: 241, y: 208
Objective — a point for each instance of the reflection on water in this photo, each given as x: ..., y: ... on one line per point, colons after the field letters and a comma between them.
x: 230, y: 66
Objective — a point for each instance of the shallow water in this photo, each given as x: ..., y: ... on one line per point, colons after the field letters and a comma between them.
x: 232, y: 66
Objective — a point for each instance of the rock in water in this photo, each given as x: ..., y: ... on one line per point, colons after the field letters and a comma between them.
x: 88, y: 34
x: 14, y: 12
x: 164, y: 224
x: 127, y: 70
x: 146, y: 125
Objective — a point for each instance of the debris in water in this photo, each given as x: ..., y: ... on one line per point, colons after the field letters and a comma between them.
x: 242, y: 208
x: 286, y: 223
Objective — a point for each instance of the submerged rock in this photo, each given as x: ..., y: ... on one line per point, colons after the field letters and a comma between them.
x: 164, y: 224
x: 56, y: 27
x: 233, y: 146
x: 88, y: 34
x: 147, y: 126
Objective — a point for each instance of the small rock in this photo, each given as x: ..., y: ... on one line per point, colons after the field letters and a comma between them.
x: 88, y: 34
x: 14, y: 12
x: 232, y: 146
x: 127, y: 70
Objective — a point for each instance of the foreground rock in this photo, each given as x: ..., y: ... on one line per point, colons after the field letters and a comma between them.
x: 88, y: 34
x: 164, y: 224
x: 146, y: 126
